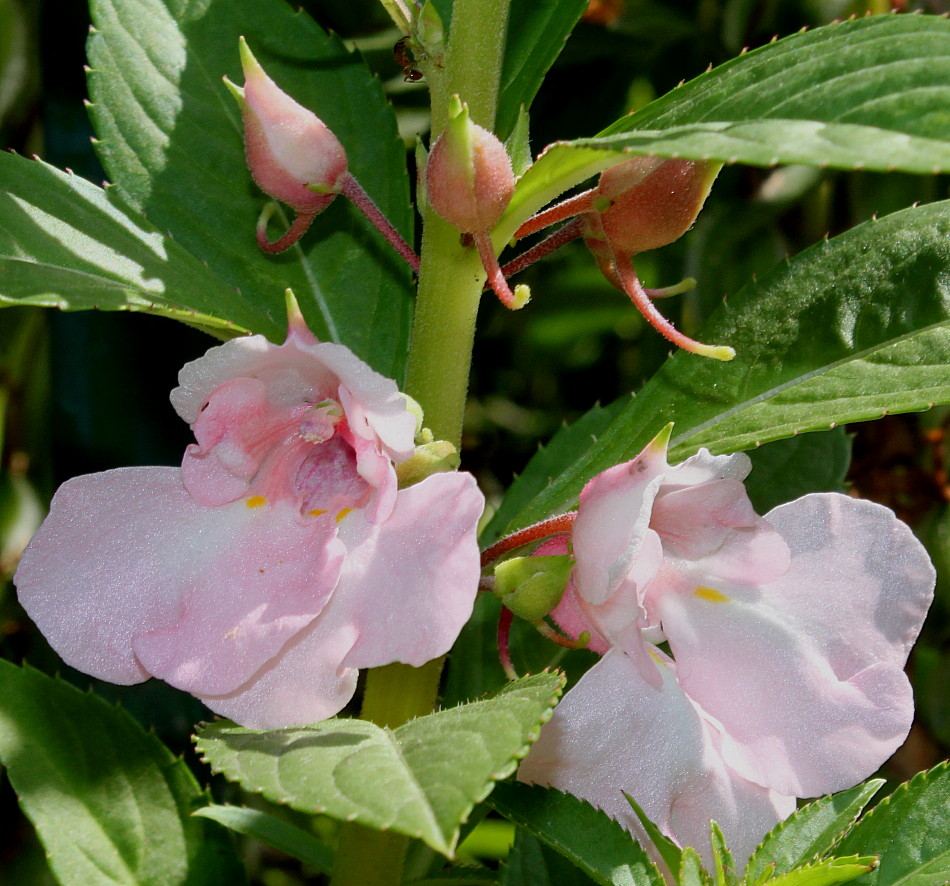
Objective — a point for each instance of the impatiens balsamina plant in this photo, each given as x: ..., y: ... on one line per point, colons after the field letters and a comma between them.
x: 318, y: 584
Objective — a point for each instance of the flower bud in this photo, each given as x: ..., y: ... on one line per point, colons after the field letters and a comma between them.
x: 291, y: 153
x: 469, y: 179
x: 643, y: 204
x: 532, y: 586
x: 648, y: 202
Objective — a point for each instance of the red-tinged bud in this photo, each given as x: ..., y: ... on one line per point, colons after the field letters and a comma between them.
x: 469, y: 179
x: 643, y: 204
x: 648, y: 202
x: 291, y: 153
x: 469, y: 182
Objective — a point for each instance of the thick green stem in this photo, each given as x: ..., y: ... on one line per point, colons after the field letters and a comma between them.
x: 473, y: 61
x: 450, y: 287
x: 451, y: 278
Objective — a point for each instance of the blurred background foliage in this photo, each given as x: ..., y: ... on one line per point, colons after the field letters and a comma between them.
x: 85, y: 392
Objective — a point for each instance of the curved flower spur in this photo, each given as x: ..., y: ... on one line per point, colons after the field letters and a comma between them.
x: 281, y: 556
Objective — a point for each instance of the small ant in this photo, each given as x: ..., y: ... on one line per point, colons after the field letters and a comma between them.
x: 406, y: 60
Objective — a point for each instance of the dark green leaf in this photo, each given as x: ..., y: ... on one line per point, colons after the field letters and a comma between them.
x: 565, y: 448
x: 908, y: 831
x: 671, y: 854
x: 66, y: 243
x: 422, y: 779
x: 849, y: 330
x: 537, y: 31
x: 171, y: 141
x: 787, y: 469
x: 811, y: 832
x: 592, y: 840
x: 272, y: 831
x: 532, y: 863
x: 865, y: 94
x: 112, y: 805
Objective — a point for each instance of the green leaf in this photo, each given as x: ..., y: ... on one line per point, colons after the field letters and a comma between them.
x: 110, y: 802
x: 866, y: 94
x: 787, y: 469
x: 532, y: 863
x: 692, y: 872
x: 171, y: 141
x: 66, y: 243
x: 908, y: 831
x: 725, y: 864
x: 592, y: 840
x: 565, y: 448
x: 671, y: 854
x: 830, y: 872
x: 810, y: 832
x: 272, y: 831
x: 537, y: 32
x: 422, y: 779
x: 851, y: 329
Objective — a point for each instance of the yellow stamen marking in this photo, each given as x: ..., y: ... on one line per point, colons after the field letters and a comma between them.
x: 710, y: 594
x: 255, y: 501
x: 316, y: 513
x: 655, y: 657
x: 342, y: 514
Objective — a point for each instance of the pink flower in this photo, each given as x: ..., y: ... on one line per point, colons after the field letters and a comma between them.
x: 279, y: 559
x: 787, y: 637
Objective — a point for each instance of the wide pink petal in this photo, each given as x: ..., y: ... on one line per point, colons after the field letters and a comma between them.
x: 616, y: 733
x: 251, y: 575
x: 612, y: 521
x: 305, y: 683
x: 805, y: 673
x: 408, y: 585
x: 109, y: 562
x: 406, y: 589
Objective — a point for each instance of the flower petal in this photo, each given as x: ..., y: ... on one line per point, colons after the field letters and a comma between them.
x: 616, y: 733
x: 805, y: 673
x: 408, y: 585
x: 612, y: 521
x: 301, y: 371
x: 249, y: 575
x: 305, y: 683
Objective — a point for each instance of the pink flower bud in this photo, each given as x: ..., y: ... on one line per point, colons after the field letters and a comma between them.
x: 469, y: 179
x: 292, y: 154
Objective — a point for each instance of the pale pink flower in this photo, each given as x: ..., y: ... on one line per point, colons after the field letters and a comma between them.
x: 280, y: 557
x: 788, y: 636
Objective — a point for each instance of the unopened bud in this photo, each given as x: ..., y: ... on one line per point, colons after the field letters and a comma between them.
x: 643, y: 204
x: 292, y: 154
x: 647, y: 202
x: 532, y: 586
x: 429, y: 458
x: 469, y: 180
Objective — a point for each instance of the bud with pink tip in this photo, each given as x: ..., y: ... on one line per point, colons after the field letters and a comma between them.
x: 292, y: 154
x: 469, y: 183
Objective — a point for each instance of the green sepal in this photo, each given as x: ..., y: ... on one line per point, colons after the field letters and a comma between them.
x: 532, y: 586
